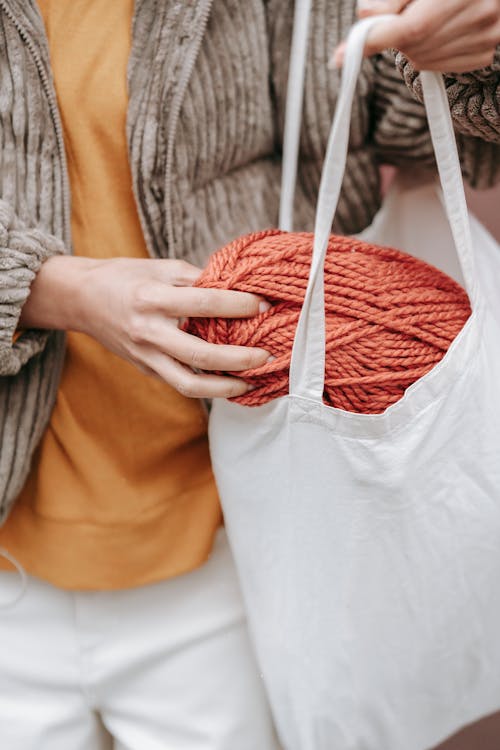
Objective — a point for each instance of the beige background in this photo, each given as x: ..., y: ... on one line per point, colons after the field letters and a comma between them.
x: 486, y: 206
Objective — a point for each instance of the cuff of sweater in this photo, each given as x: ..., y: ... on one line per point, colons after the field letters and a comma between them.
x: 474, y: 97
x: 22, y: 252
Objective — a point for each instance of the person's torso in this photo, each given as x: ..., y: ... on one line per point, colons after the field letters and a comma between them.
x: 121, y: 490
x: 207, y: 84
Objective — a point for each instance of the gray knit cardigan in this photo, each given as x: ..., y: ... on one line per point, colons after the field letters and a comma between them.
x: 207, y: 82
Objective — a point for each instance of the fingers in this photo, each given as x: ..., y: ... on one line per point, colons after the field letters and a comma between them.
x: 395, y: 33
x: 449, y: 35
x: 175, y: 272
x: 461, y: 64
x: 193, y: 385
x: 443, y: 47
x: 195, y: 302
x: 445, y: 50
x: 384, y: 35
x: 425, y: 29
x: 202, y: 355
x: 377, y: 7
x: 218, y: 303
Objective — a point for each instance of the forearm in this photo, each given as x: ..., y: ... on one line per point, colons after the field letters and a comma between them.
x: 55, y: 299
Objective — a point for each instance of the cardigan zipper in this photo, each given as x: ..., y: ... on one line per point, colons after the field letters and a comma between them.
x: 56, y: 119
x: 184, y: 77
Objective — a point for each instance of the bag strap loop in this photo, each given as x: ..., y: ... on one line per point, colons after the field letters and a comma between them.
x: 308, y: 356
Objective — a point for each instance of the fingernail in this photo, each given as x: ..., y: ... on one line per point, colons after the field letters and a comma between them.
x: 271, y: 358
x: 264, y: 306
x: 250, y: 387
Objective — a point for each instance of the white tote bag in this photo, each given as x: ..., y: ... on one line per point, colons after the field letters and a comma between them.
x: 368, y: 546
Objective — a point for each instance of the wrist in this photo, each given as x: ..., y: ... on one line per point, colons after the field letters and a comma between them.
x: 56, y: 299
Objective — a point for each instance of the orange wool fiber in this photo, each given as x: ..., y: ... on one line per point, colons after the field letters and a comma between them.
x: 389, y: 316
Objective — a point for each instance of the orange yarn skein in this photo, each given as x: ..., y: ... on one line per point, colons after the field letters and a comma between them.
x: 389, y: 316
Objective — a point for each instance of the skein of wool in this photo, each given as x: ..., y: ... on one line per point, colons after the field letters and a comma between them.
x: 390, y: 317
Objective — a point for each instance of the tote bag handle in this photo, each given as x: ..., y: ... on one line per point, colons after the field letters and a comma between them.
x: 293, y: 114
x: 307, y: 369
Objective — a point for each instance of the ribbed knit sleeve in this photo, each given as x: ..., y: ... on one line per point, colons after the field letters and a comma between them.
x: 474, y: 97
x: 400, y: 133
x: 22, y: 252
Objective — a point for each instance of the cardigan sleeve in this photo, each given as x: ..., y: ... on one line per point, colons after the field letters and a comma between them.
x: 474, y: 97
x: 22, y: 251
x: 400, y: 134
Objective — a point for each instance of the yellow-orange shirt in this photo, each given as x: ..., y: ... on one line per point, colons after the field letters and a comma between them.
x: 121, y: 492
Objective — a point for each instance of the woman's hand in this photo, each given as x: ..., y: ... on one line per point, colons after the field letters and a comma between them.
x: 133, y: 306
x: 443, y: 35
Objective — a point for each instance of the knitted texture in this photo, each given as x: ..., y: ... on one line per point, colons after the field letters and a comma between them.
x: 22, y: 252
x: 389, y: 316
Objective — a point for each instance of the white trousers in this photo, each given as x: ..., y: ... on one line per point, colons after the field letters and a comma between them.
x: 160, y: 667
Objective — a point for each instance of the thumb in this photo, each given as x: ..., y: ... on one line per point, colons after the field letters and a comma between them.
x: 385, y: 35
